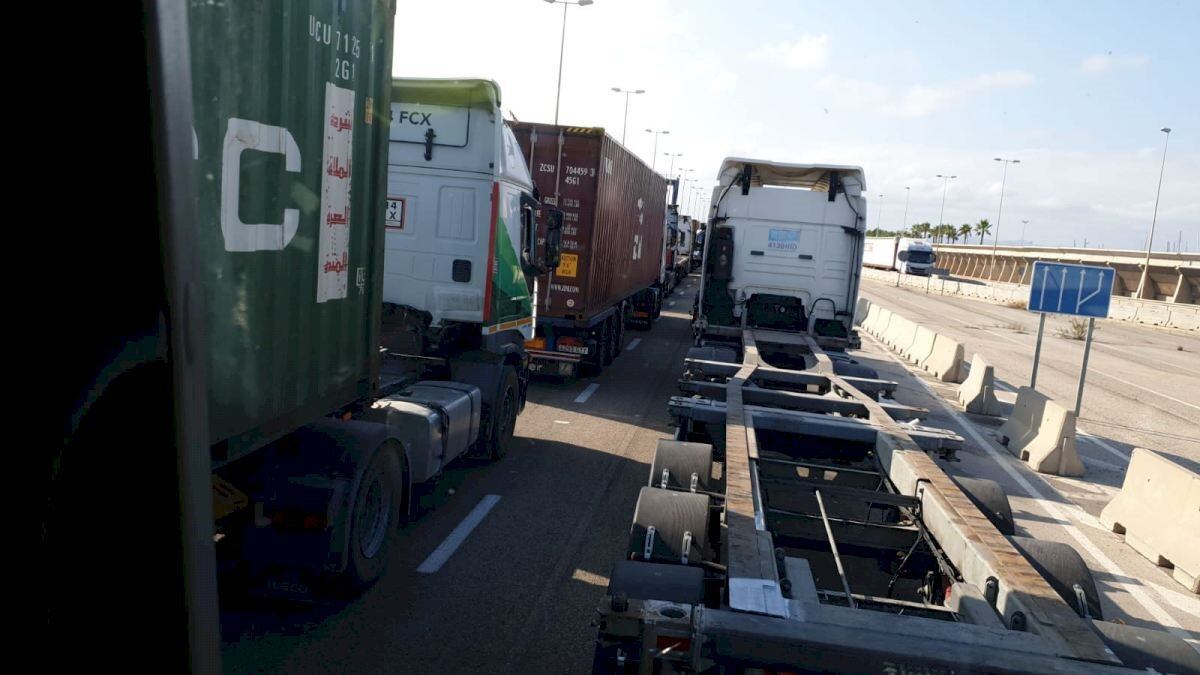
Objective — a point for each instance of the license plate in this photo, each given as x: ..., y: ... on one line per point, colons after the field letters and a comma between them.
x: 572, y: 349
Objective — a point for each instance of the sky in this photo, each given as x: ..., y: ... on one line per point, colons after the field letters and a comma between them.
x: 1077, y: 91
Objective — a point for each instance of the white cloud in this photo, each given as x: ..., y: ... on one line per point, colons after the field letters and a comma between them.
x: 1103, y: 63
x: 809, y: 52
x: 918, y: 100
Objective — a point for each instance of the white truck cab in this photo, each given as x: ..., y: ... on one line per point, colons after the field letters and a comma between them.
x: 461, y: 247
x: 783, y: 249
x: 914, y: 256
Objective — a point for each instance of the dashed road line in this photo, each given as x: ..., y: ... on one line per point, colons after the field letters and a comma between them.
x: 587, y: 393
x: 458, y: 535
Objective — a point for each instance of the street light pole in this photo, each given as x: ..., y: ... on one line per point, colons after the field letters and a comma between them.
x: 1154, y: 219
x: 945, y: 186
x: 562, y: 47
x: 879, y: 214
x: 904, y: 221
x: 627, y: 92
x: 1023, y: 224
x: 654, y: 153
x: 996, y: 236
x: 671, y: 172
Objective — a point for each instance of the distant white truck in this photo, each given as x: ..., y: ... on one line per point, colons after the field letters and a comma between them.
x: 783, y: 251
x: 899, y: 254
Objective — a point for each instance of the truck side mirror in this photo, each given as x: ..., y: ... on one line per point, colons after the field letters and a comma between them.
x: 554, y: 230
x: 529, y: 208
x: 903, y: 256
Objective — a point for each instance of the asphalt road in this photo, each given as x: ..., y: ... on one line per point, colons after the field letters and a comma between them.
x: 517, y: 596
x: 551, y: 518
x: 1141, y: 387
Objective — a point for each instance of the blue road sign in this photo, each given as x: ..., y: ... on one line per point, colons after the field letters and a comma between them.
x: 1081, y: 290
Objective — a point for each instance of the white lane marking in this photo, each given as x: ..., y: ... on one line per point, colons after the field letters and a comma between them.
x: 657, y: 318
x: 451, y: 543
x: 1187, y: 603
x: 632, y: 344
x: 561, y: 422
x: 587, y: 393
x: 1057, y: 513
x: 1004, y: 387
x: 670, y: 303
x: 1151, y: 391
x: 1101, y: 464
x: 1103, y: 444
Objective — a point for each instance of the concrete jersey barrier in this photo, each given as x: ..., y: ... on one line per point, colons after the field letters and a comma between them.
x: 903, y: 335
x: 1042, y: 433
x: 868, y: 324
x: 1158, y: 511
x: 945, y: 360
x: 860, y: 311
x: 922, y: 345
x: 895, y: 328
x: 977, y: 393
x: 881, y: 324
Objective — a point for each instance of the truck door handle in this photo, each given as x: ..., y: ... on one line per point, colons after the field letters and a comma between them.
x: 804, y: 256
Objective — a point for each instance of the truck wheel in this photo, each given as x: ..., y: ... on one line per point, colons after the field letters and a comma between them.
x: 1149, y: 650
x: 1063, y: 568
x: 619, y: 331
x: 990, y: 498
x: 606, y: 343
x: 504, y: 416
x: 374, y: 518
x: 680, y: 522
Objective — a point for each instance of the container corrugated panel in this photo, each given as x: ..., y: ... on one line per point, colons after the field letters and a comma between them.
x: 614, y: 213
x: 291, y: 123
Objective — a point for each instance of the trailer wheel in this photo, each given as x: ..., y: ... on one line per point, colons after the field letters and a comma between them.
x: 504, y: 416
x: 990, y: 498
x: 606, y: 343
x: 1149, y: 650
x: 1063, y: 568
x: 374, y: 518
x: 619, y: 332
x: 681, y: 460
x: 680, y: 522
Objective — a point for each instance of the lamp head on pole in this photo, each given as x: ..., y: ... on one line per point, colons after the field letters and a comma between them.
x: 1165, y: 130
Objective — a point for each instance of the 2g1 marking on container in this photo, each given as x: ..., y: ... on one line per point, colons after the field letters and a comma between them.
x: 344, y: 44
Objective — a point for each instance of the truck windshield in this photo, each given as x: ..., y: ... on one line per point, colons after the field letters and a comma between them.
x: 920, y: 256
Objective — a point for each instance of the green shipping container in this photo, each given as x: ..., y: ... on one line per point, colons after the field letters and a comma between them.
x: 291, y: 130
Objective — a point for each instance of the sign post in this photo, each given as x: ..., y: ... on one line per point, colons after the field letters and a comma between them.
x: 1074, y: 290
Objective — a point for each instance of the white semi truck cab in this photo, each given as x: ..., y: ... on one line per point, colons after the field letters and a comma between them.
x: 914, y: 256
x: 783, y: 250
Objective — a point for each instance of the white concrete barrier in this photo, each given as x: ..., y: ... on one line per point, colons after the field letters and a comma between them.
x: 945, y: 360
x: 1158, y: 511
x: 1042, y: 433
x: 904, y: 336
x: 977, y: 393
x: 898, y: 327
x: 881, y: 324
x: 860, y: 311
x: 922, y: 345
x: 868, y: 323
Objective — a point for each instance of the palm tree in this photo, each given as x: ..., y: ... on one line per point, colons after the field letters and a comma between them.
x: 982, y: 228
x: 964, y: 230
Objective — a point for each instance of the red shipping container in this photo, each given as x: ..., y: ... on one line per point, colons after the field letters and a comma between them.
x: 614, y: 217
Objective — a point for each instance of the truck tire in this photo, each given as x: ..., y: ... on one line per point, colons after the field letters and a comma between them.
x: 674, y: 516
x: 1063, y: 568
x: 619, y: 331
x: 653, y: 581
x: 374, y: 518
x: 681, y: 460
x: 609, y: 343
x: 504, y: 416
x: 1149, y: 650
x: 990, y: 498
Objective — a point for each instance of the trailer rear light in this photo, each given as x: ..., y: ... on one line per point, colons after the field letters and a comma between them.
x: 296, y: 520
x: 536, y: 343
x: 673, y: 645
x: 641, y: 315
